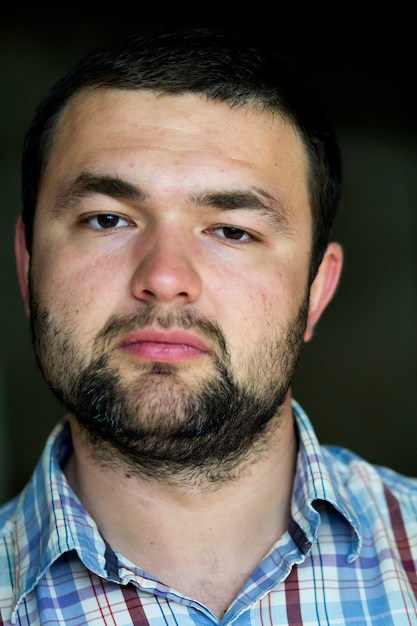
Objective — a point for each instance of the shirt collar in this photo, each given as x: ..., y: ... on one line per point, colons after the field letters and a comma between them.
x: 50, y: 520
x: 318, y: 481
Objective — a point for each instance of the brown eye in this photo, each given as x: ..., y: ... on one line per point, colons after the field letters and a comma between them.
x: 107, y: 221
x: 231, y: 232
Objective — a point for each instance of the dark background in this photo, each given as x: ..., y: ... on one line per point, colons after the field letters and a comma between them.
x: 357, y: 379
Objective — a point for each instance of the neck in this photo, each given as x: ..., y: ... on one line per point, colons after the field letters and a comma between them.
x: 193, y: 537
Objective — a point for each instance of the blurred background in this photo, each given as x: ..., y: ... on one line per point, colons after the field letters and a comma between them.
x: 357, y: 379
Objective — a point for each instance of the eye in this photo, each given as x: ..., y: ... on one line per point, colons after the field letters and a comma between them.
x: 232, y: 232
x: 106, y: 221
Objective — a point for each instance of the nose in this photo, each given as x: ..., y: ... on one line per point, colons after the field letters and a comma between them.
x: 165, y: 272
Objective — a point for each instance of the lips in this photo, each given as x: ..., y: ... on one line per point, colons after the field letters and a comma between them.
x: 164, y: 346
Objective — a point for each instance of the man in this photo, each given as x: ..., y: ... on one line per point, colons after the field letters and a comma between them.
x: 174, y: 255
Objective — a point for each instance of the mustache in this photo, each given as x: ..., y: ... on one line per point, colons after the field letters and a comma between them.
x: 119, y: 325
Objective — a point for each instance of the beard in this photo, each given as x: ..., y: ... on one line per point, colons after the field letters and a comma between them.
x: 149, y: 420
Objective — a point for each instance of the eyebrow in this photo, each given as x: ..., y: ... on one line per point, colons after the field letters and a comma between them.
x: 88, y: 183
x: 253, y: 199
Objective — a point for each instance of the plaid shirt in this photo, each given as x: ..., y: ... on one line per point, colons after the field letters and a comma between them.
x: 349, y: 555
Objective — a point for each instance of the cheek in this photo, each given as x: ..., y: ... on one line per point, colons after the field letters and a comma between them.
x: 83, y: 286
x: 249, y: 305
x: 259, y: 305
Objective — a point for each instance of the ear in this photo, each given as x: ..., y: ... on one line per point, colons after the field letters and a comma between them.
x: 22, y: 262
x: 324, y: 286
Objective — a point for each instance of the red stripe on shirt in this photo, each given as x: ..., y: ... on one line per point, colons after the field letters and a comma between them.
x: 401, y: 540
x: 292, y: 595
x: 134, y: 606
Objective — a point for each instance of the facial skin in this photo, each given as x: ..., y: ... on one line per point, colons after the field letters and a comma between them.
x: 168, y: 286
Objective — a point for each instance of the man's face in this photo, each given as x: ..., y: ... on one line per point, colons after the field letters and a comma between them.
x: 169, y: 271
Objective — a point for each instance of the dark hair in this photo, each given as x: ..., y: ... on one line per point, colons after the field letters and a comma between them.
x: 222, y: 66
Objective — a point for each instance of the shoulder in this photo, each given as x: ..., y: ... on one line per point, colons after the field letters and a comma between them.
x: 348, y: 463
x: 372, y: 486
x: 9, y: 553
x: 7, y: 516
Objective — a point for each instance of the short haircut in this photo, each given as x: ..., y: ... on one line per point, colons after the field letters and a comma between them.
x: 222, y: 66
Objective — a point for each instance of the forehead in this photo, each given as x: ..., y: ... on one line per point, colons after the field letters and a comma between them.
x: 120, y: 127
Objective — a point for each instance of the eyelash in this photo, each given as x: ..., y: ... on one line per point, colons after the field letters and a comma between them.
x: 113, y: 217
x: 248, y: 236
x: 243, y: 235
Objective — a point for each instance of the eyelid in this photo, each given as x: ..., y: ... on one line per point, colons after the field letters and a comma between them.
x: 88, y: 218
x: 250, y: 236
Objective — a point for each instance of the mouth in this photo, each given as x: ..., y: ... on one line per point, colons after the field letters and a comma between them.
x: 171, y: 346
